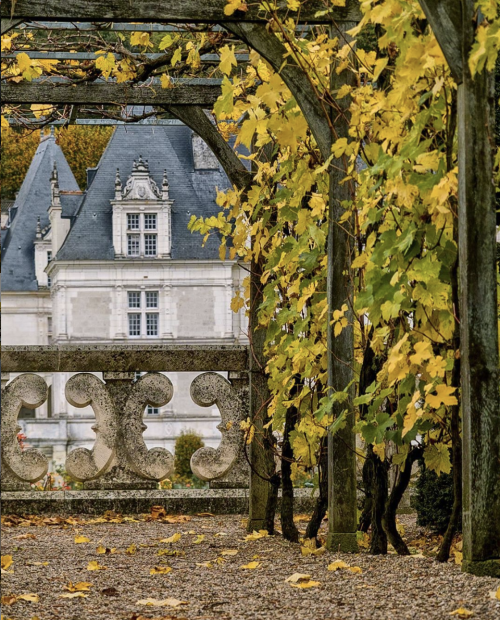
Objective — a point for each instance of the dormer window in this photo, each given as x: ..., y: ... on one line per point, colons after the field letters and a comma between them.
x: 141, y: 215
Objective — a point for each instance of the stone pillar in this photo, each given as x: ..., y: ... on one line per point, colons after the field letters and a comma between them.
x: 342, y: 504
x: 119, y: 458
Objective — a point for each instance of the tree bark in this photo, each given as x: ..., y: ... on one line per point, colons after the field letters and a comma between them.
x: 288, y: 527
x: 378, y: 545
x: 321, y: 505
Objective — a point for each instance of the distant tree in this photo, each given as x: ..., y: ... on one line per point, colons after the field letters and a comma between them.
x: 81, y: 145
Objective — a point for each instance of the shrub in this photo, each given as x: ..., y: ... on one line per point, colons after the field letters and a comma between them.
x: 433, y: 499
x: 185, y: 446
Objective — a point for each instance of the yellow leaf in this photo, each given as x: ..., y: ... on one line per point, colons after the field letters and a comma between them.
x: 227, y: 59
x: 337, y: 565
x: 81, y: 539
x: 101, y: 549
x: 229, y: 552
x: 296, y: 577
x: 205, y: 564
x: 166, y: 81
x: 251, y: 565
x: 31, y: 598
x: 7, y: 561
x: 41, y: 109
x: 23, y: 62
x: 256, y: 535
x: 80, y: 586
x: 173, y: 539
x: 437, y: 458
x: 235, y: 5
x: 237, y: 302
x: 168, y: 602
x: 199, y: 539
x: 355, y: 569
x: 73, y: 595
x: 458, y: 557
x: 132, y: 550
x: 5, y: 122
x: 423, y: 351
x: 461, y: 612
x: 95, y: 566
x: 495, y: 594
x: 160, y: 570
x: 443, y: 396
x: 9, y: 599
x: 306, y: 584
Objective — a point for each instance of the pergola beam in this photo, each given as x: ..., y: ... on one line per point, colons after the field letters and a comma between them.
x: 168, y: 10
x: 101, y: 93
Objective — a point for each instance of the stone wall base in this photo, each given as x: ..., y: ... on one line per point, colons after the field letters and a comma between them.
x: 175, y: 501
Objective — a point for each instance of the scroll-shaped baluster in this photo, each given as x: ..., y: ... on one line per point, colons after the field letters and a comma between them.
x: 21, y: 467
x: 211, y: 389
x: 82, y: 390
x: 155, y: 390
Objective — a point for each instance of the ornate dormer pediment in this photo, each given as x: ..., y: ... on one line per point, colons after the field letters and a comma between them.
x: 140, y: 185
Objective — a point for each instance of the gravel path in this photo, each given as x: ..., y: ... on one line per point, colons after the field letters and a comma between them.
x: 389, y: 588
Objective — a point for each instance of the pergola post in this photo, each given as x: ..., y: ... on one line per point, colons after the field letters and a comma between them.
x: 342, y: 505
x: 454, y: 25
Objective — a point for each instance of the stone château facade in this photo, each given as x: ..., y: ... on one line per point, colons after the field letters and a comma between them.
x: 116, y: 264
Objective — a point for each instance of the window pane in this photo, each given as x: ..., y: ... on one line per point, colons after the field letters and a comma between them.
x: 134, y: 324
x: 151, y: 324
x: 150, y: 245
x: 133, y: 221
x: 150, y: 221
x: 133, y: 244
x: 151, y: 299
x: 152, y: 410
x: 134, y: 299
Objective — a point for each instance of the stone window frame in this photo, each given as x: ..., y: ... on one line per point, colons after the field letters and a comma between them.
x: 144, y: 311
x: 142, y: 240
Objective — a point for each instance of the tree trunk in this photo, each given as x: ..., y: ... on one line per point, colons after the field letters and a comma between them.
x: 321, y: 505
x: 290, y: 531
x: 378, y: 545
x: 389, y: 518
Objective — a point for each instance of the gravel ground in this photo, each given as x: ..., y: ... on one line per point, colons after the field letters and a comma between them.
x: 390, y: 587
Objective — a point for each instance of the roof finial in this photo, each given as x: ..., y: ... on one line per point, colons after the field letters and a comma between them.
x: 55, y: 175
x: 38, y: 228
x: 164, y: 186
x: 54, y: 187
x: 52, y: 131
x: 118, y: 185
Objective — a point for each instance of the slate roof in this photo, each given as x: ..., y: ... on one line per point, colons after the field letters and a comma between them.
x: 33, y: 201
x: 193, y: 192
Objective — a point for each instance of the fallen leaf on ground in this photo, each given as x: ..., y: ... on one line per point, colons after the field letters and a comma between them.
x: 229, y: 552
x: 160, y: 570
x: 205, y: 514
x: 173, y: 539
x: 25, y: 537
x: 73, y: 595
x: 251, y: 565
x: 256, y: 535
x: 305, y: 584
x: 296, y: 577
x: 37, y: 563
x: 95, y: 566
x: 109, y: 592
x: 31, y: 598
x: 355, y: 569
x: 101, y: 549
x: 337, y: 564
x: 309, y: 548
x: 9, y: 599
x: 461, y: 612
x: 81, y: 539
x: 495, y: 595
x: 199, y: 539
x: 205, y: 564
x: 7, y: 562
x: 157, y: 512
x: 80, y: 586
x: 132, y: 550
x: 168, y: 602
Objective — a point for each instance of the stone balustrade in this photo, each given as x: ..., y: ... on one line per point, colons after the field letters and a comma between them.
x: 119, y: 459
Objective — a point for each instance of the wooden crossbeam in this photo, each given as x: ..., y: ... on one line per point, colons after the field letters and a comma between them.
x: 312, y: 11
x: 203, y: 94
x: 35, y: 55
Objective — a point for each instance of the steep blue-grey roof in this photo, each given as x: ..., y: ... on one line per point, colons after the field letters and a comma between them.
x: 32, y: 202
x: 193, y: 192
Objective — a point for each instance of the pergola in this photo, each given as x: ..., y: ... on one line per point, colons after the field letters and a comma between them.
x: 454, y: 24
